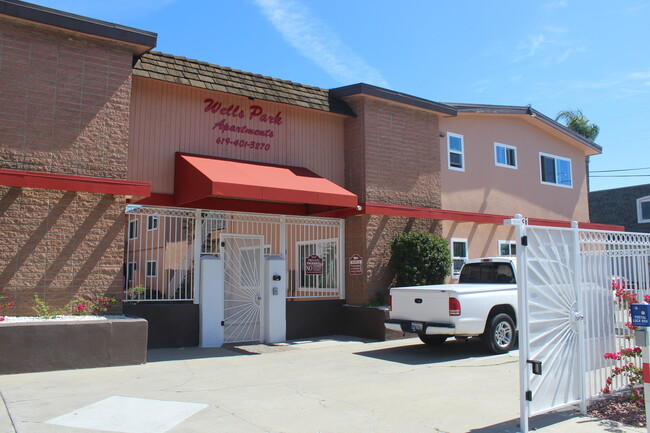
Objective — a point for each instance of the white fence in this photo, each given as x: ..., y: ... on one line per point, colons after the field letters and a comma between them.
x: 568, y: 311
x: 162, y: 243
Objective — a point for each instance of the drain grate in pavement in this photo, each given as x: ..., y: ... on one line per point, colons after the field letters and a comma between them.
x: 129, y: 415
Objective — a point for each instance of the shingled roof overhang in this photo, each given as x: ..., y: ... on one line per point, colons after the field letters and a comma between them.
x: 525, y: 110
x: 141, y: 40
x: 391, y: 95
x: 202, y: 75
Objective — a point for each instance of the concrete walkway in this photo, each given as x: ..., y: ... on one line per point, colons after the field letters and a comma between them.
x: 326, y: 385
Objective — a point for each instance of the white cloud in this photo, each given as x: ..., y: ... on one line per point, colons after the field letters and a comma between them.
x: 530, y: 48
x: 315, y: 41
x: 549, y: 50
x: 556, y: 4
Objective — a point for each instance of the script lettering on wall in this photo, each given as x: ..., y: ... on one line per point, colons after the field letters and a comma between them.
x: 243, y: 126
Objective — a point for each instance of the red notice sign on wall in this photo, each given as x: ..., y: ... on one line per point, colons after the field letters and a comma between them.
x: 313, y: 265
x: 356, y: 265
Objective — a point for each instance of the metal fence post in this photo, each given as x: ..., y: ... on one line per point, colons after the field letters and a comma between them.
x: 198, y: 237
x: 578, y: 315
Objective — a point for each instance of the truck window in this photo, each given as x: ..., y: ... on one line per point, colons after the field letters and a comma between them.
x: 487, y: 273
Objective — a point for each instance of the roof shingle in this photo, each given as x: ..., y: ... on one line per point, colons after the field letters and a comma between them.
x: 179, y: 70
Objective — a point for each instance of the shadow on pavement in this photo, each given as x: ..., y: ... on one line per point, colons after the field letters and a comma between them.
x: 534, y: 423
x: 550, y: 419
x: 185, y: 353
x: 417, y: 354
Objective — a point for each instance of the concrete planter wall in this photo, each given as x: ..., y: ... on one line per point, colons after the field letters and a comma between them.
x: 61, y: 345
x: 170, y: 325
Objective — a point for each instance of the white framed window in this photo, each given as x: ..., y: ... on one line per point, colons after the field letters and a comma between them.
x: 131, y: 267
x: 133, y: 229
x: 455, y: 152
x: 458, y: 251
x: 152, y: 222
x: 508, y: 248
x: 152, y: 268
x: 327, y: 277
x: 643, y: 209
x: 505, y: 155
x: 555, y: 170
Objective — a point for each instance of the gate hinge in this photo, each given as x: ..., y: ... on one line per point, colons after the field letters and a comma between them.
x: 524, y: 241
x: 529, y: 395
x: 223, y: 323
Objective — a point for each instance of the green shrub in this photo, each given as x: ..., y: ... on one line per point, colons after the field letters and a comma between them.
x: 420, y: 258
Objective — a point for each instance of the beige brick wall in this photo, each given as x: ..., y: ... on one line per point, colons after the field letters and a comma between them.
x: 392, y: 153
x: 393, y: 157
x: 61, y: 244
x: 64, y: 108
x: 64, y: 102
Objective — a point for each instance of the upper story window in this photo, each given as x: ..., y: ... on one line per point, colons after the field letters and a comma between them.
x: 152, y: 222
x: 133, y: 229
x: 643, y: 209
x: 555, y: 170
x: 455, y: 151
x: 505, y: 155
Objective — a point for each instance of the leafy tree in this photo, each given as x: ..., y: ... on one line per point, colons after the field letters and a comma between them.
x: 420, y: 258
x: 578, y: 123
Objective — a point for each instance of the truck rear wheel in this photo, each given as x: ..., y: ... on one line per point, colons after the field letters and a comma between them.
x: 499, y: 336
x: 432, y: 340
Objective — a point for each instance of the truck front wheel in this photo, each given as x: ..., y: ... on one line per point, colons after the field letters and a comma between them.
x: 432, y: 340
x: 499, y: 336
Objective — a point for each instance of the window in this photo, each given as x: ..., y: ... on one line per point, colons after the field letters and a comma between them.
x: 643, y: 209
x: 320, y: 278
x: 458, y: 256
x: 131, y: 267
x: 555, y: 170
x: 488, y: 273
x: 152, y: 268
x: 507, y: 248
x: 505, y: 155
x: 152, y: 222
x: 133, y: 229
x: 456, y: 151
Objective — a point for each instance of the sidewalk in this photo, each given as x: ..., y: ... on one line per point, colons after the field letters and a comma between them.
x: 327, y: 385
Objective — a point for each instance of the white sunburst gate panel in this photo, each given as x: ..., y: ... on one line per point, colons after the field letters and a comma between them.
x: 243, y: 303
x: 568, y: 314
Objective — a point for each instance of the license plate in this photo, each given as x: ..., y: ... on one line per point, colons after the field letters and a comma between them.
x: 417, y: 326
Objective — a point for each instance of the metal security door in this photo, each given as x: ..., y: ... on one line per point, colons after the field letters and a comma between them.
x: 550, y: 320
x: 242, y: 255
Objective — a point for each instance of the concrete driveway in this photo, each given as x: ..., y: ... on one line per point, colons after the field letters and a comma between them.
x: 332, y: 384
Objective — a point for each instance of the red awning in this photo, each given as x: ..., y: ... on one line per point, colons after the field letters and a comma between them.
x: 200, y: 177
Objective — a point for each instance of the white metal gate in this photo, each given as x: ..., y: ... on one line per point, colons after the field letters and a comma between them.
x: 162, y: 244
x: 243, y: 259
x: 568, y: 318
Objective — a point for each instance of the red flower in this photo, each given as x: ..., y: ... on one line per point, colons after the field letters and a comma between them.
x: 81, y: 307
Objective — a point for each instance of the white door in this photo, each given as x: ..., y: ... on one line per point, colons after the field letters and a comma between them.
x: 243, y: 259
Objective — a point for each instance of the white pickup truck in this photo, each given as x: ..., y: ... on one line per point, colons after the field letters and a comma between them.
x: 482, y: 304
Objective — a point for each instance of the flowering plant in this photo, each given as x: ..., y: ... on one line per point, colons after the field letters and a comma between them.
x: 629, y: 369
x: 5, y: 304
x: 80, y: 306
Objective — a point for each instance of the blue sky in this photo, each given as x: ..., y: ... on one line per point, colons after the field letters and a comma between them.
x: 552, y: 54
